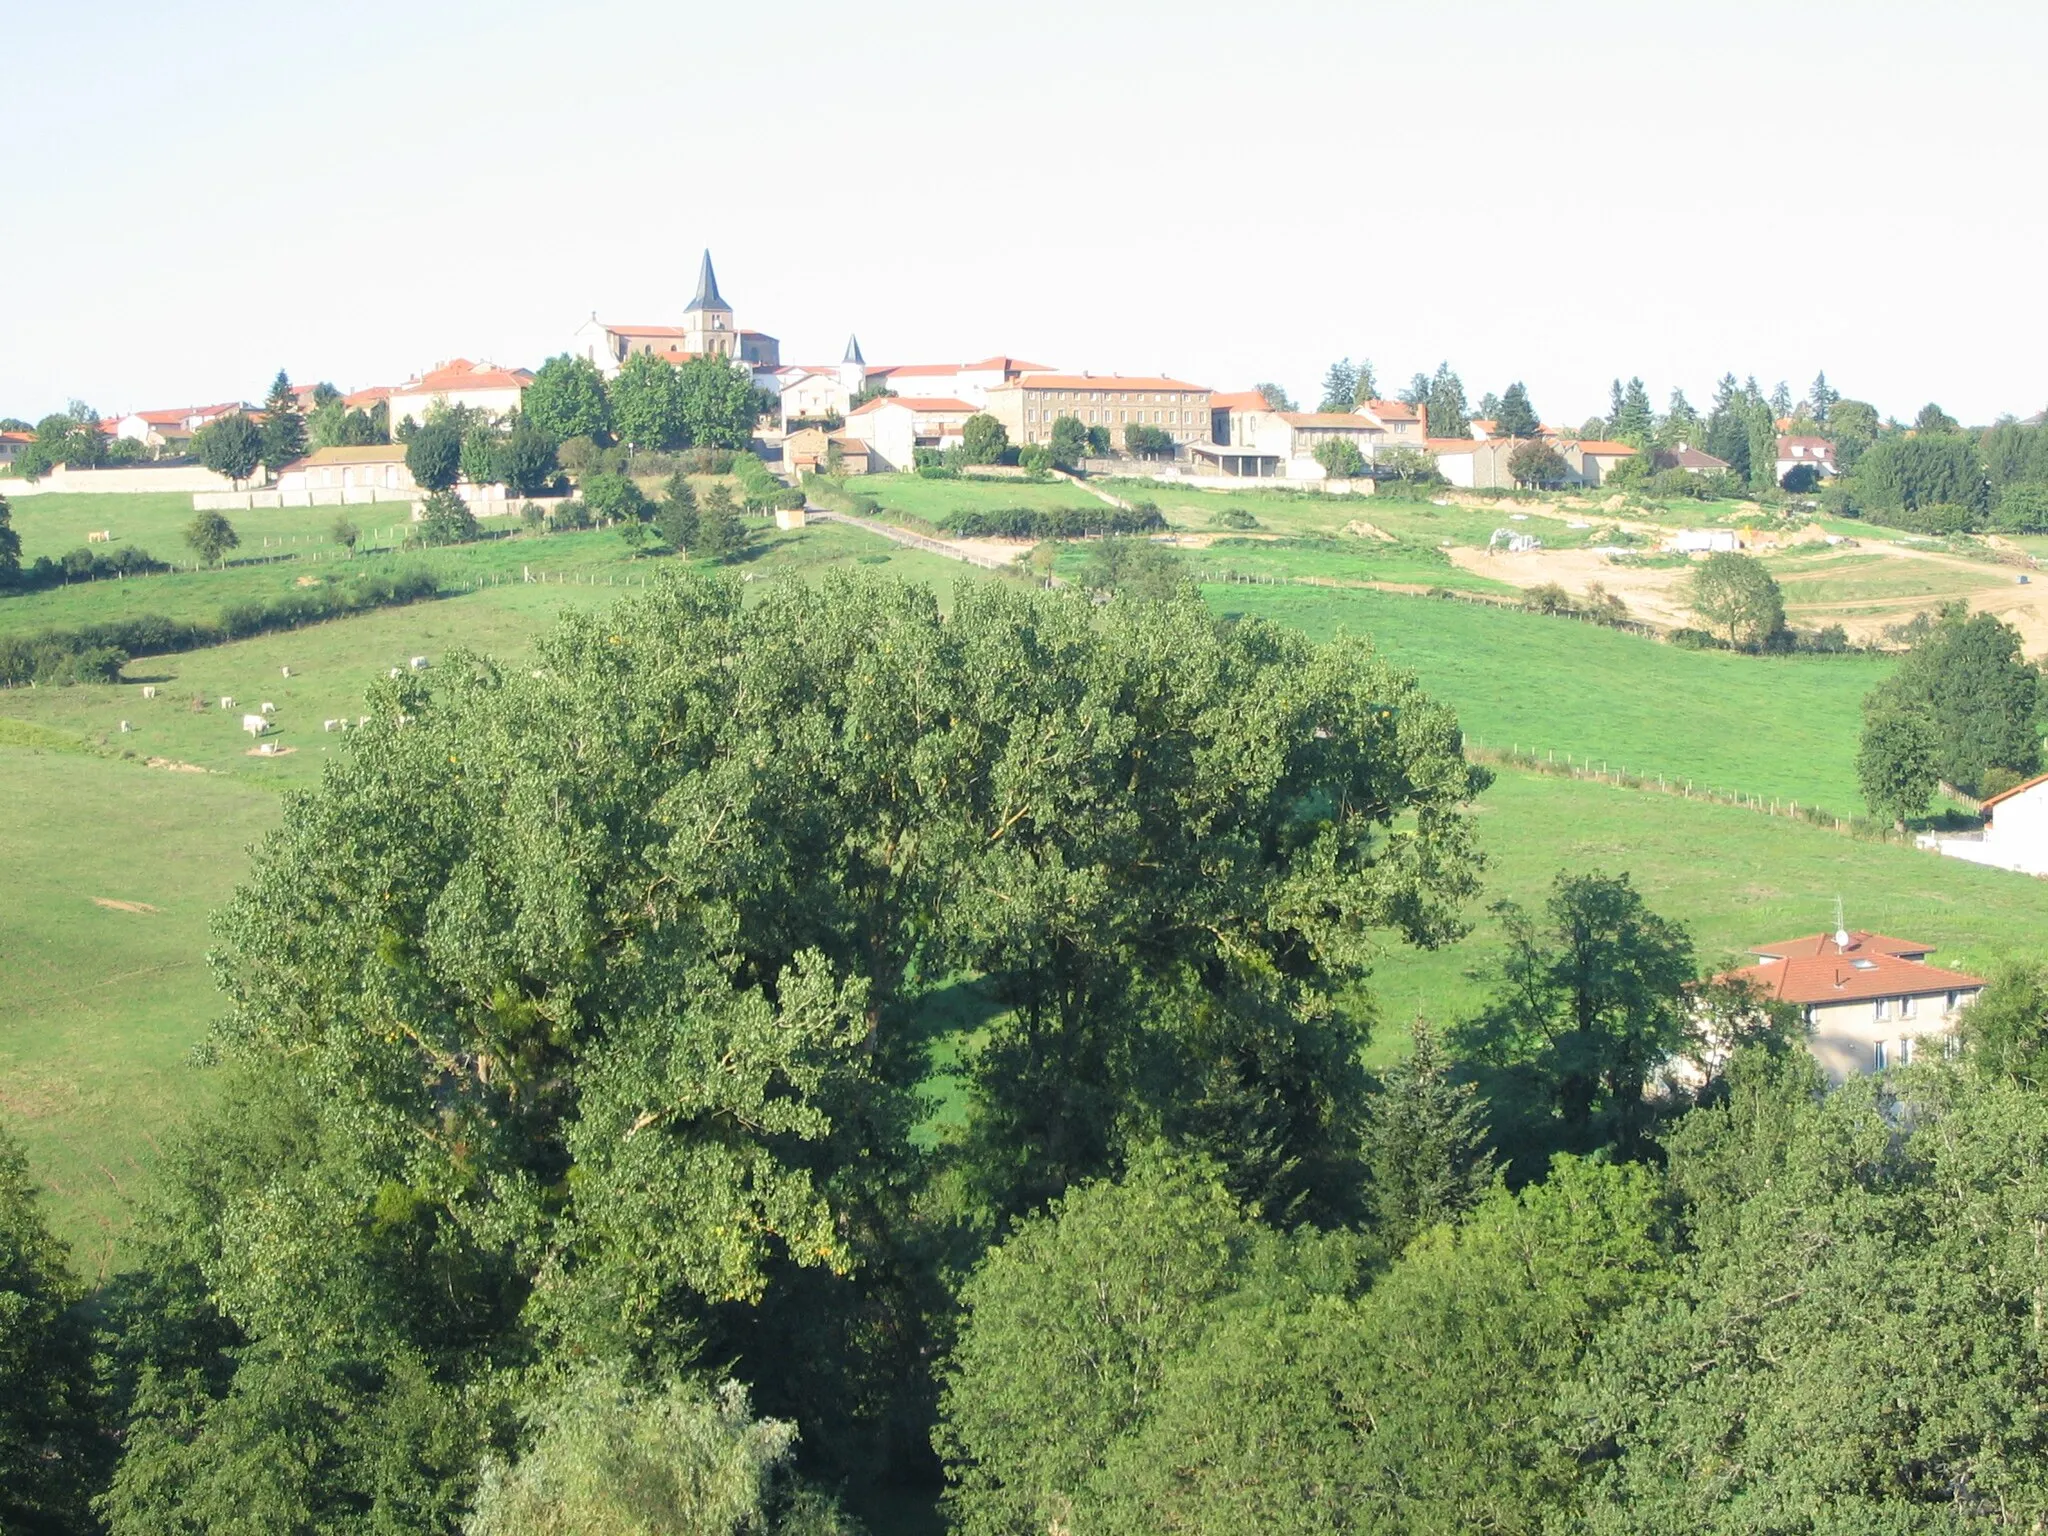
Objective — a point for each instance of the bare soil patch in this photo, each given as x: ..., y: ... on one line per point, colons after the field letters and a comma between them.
x: 113, y: 905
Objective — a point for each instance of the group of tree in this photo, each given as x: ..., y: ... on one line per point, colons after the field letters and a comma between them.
x: 1346, y: 387
x: 1441, y: 397
x: 652, y: 404
x: 1964, y: 707
x: 74, y: 438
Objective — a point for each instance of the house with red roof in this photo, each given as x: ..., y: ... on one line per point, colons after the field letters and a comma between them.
x: 891, y: 428
x: 479, y: 386
x: 1870, y: 1001
x: 1815, y: 453
x: 1591, y: 459
x: 171, y: 428
x: 2015, y: 835
x: 709, y: 328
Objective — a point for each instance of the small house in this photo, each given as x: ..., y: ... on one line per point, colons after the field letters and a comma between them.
x: 2015, y: 837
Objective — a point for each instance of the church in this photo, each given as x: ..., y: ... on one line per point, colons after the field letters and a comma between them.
x: 709, y: 329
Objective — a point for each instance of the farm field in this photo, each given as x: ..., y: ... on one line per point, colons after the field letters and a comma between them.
x: 1782, y: 726
x: 931, y: 500
x: 1734, y: 877
x: 111, y: 870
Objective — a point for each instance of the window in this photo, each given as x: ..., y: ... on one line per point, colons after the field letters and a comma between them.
x: 1811, y: 1013
x: 1905, y: 1050
x: 1122, y: 416
x: 1884, y: 1009
x: 1908, y: 1007
x: 1879, y: 1050
x: 1951, y: 1005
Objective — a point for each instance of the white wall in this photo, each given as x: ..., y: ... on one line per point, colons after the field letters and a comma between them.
x: 119, y: 482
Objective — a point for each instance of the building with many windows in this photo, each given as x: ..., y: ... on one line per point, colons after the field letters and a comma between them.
x: 1029, y: 404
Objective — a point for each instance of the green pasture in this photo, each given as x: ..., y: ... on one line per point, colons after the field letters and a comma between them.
x: 932, y: 500
x: 1783, y: 726
x: 1734, y: 877
x: 1345, y: 559
x: 103, y: 1003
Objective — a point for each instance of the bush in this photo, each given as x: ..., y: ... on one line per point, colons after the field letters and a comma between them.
x: 706, y: 460
x: 2022, y: 509
x: 931, y: 464
x: 1052, y: 522
x: 1035, y: 458
x: 448, y: 520
x: 96, y: 652
x: 614, y: 499
x: 1690, y: 639
x: 1151, y: 442
x: 1236, y: 517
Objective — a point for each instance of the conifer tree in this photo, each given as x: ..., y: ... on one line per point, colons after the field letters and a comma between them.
x: 1820, y: 398
x: 1448, y: 415
x: 1425, y: 1143
x: 1516, y: 417
x: 1633, y: 421
x: 284, y: 429
x: 1340, y: 386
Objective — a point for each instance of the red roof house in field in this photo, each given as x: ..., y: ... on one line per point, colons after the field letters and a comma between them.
x: 1869, y: 999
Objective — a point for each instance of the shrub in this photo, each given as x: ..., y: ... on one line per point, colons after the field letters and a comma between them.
x: 931, y: 464
x: 1052, y: 522
x: 2022, y: 509
x: 706, y: 460
x: 614, y: 499
x: 1690, y: 639
x: 1036, y: 458
x: 1236, y: 517
x: 448, y: 521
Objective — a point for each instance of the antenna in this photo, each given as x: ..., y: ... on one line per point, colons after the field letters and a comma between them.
x: 1841, y: 929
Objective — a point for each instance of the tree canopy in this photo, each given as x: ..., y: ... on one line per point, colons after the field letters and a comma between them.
x: 647, y: 403
x: 1736, y: 593
x: 230, y: 445
x: 1976, y: 697
x: 567, y: 399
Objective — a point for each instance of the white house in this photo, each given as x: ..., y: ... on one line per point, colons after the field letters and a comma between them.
x: 1869, y: 1001
x: 480, y: 386
x: 894, y: 427
x: 2016, y: 836
x: 1817, y: 453
x: 351, y: 474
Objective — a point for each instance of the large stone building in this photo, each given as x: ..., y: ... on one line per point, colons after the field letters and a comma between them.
x: 710, y: 328
x: 1029, y: 404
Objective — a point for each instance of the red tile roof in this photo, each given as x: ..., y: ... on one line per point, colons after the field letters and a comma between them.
x: 1239, y: 400
x: 1395, y: 410
x: 463, y: 374
x: 1603, y: 449
x: 1861, y: 941
x: 1851, y: 978
x: 1116, y: 381
x: 935, y: 404
x: 1327, y: 419
x: 1004, y: 365
x: 908, y: 369
x: 370, y: 396
x: 645, y: 330
x: 17, y: 437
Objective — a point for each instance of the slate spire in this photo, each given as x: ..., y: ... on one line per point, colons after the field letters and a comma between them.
x: 853, y: 352
x: 708, y: 296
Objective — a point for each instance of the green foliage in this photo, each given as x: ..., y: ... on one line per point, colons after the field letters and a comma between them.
x: 1763, y: 451
x: 722, y: 534
x: 985, y: 439
x: 1516, y: 417
x: 1276, y: 398
x: 479, y: 456
x: 1148, y: 442
x: 1340, y: 387
x: 1854, y: 1343
x: 2022, y: 509
x: 1895, y: 761
x: 10, y: 547
x: 2006, y: 1028
x: 524, y: 460
x: 284, y: 428
x: 230, y: 445
x: 567, y: 399
x: 51, y: 1446
x: 1633, y: 422
x: 344, y: 532
x: 1738, y: 594
x: 1410, y: 466
x: 434, y: 456
x: 1537, y: 463
x: 647, y: 403
x: 1340, y: 458
x: 448, y: 519
x: 719, y: 406
x: 1933, y: 419
x: 1903, y: 474
x: 1424, y: 1143
x: 675, y: 516
x: 2014, y: 455
x: 1728, y: 438
x: 1968, y: 683
x: 1052, y: 522
x: 211, y: 536
x: 1590, y: 1005
x: 614, y: 498
x: 1035, y: 458
x: 1446, y: 405
x: 611, y: 1459
x: 1135, y: 568
x: 1068, y: 443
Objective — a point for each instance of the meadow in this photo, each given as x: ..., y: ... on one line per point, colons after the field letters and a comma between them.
x: 1776, y: 726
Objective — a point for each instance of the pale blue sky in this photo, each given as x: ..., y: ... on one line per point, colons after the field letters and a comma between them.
x: 1553, y: 192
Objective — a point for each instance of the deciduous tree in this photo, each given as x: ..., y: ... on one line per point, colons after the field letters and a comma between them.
x: 230, y: 445
x: 1737, y: 593
x: 719, y: 405
x: 647, y: 403
x: 1969, y: 683
x: 1340, y: 458
x: 567, y: 399
x: 1895, y: 762
x: 1276, y: 398
x: 434, y: 456
x: 985, y: 439
x: 211, y: 536
x: 525, y: 459
x: 1537, y: 463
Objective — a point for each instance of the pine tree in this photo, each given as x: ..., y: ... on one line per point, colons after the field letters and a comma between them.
x: 284, y: 429
x: 1725, y: 395
x: 1614, y: 402
x: 1340, y: 386
x: 1516, y: 416
x: 1681, y: 423
x: 1763, y: 451
x: 1781, y: 400
x: 1425, y: 1143
x: 1634, y: 421
x: 1821, y: 398
x: 1417, y: 392
x: 1368, y: 387
x: 1448, y: 415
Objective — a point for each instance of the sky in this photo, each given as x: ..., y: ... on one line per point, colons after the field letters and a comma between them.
x: 1558, y: 193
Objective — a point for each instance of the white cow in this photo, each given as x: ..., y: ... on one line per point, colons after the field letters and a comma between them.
x: 227, y: 701
x: 286, y: 670
x: 269, y: 708
x: 255, y: 725
x: 149, y: 691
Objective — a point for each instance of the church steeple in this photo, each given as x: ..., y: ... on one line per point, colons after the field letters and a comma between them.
x: 853, y: 352
x: 708, y: 296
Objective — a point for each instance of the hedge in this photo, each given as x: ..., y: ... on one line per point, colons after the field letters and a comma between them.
x: 1051, y: 522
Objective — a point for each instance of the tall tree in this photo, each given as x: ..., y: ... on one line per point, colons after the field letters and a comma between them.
x: 1615, y: 399
x: 211, y: 536
x: 1340, y: 387
x: 1820, y: 398
x: 1895, y: 762
x: 567, y: 399
x: 230, y: 445
x: 719, y: 402
x: 1933, y: 418
x: 1425, y: 1143
x: 1592, y: 1001
x: 1368, y: 385
x: 1905, y: 473
x: 51, y: 1446
x: 1781, y: 400
x: 1276, y: 398
x: 1681, y: 423
x: 985, y: 440
x: 525, y: 459
x: 1447, y: 412
x: 1737, y: 593
x: 1516, y: 417
x: 1634, y: 422
x: 1969, y: 683
x: 1763, y: 450
x: 1853, y: 427
x: 10, y: 546
x: 434, y: 457
x: 1416, y: 392
x: 647, y: 403
x: 284, y: 428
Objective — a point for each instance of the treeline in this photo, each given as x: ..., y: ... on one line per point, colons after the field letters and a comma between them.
x: 97, y: 652
x: 1052, y: 522
x: 1941, y: 480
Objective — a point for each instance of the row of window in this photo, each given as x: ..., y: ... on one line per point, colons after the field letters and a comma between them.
x: 1123, y: 418
x: 1114, y: 397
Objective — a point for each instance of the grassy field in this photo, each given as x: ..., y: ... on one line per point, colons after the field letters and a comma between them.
x: 105, y: 1001
x: 931, y: 500
x: 1771, y: 726
x: 1734, y: 877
